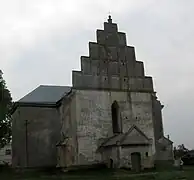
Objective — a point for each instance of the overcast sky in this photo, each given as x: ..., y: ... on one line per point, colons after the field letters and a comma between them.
x: 41, y: 41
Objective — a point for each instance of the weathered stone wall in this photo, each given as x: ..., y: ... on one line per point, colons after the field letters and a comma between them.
x: 111, y: 64
x: 110, y: 73
x: 112, y: 82
x: 166, y: 153
x: 147, y: 159
x: 43, y: 134
x: 143, y: 114
x: 157, y: 116
x: 68, y: 130
x: 94, y: 119
x: 121, y: 156
x: 93, y: 122
x: 114, y: 154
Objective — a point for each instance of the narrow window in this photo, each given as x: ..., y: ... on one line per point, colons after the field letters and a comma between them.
x: 8, y: 152
x: 116, y: 124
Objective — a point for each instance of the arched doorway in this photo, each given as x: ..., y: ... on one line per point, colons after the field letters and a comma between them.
x: 111, y: 164
x: 136, y: 161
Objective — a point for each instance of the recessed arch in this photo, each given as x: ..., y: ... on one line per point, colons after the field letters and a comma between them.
x: 116, y: 122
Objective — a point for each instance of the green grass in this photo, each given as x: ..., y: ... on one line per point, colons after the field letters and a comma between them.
x: 186, y: 174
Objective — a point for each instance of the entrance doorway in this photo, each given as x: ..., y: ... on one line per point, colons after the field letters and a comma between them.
x: 111, y: 165
x: 136, y: 161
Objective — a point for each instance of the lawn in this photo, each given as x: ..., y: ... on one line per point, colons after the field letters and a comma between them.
x: 186, y: 174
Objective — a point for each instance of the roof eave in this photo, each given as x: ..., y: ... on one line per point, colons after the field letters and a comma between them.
x: 31, y: 104
x: 127, y: 144
x: 38, y: 104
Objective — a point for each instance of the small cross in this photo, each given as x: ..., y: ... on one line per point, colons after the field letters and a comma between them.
x: 109, y: 18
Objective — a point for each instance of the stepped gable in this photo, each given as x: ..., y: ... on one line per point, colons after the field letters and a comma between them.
x: 111, y: 64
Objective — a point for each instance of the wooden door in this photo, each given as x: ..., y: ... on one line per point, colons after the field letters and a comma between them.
x: 136, y: 161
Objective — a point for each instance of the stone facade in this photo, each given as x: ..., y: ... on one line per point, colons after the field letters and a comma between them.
x: 67, y: 145
x: 94, y: 120
x: 111, y: 115
x: 37, y: 146
x: 111, y: 74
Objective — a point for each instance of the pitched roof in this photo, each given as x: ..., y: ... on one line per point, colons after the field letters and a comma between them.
x: 164, y: 140
x: 43, y: 96
x: 135, y: 136
x: 128, y: 138
x: 46, y: 94
x: 113, y: 140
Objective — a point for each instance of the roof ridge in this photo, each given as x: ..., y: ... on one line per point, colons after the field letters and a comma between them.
x: 51, y: 85
x: 166, y: 139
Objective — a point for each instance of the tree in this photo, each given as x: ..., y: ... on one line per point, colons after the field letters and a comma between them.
x: 180, y: 151
x: 5, y: 118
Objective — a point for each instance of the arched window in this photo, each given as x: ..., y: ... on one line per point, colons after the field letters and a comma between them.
x: 116, y: 123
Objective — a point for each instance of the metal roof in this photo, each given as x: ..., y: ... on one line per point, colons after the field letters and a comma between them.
x: 47, y: 94
x: 128, y: 138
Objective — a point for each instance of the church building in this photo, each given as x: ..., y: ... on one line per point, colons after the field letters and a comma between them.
x: 110, y: 115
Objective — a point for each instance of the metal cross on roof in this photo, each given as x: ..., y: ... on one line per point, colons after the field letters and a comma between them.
x: 109, y: 18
